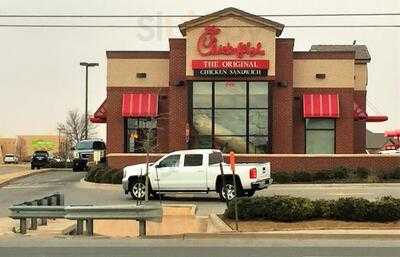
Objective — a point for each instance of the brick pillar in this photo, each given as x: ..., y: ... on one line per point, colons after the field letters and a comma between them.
x: 178, y: 98
x: 115, y: 121
x: 282, y: 98
x: 360, y: 141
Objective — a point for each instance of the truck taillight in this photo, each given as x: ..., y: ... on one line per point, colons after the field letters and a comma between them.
x: 253, y: 173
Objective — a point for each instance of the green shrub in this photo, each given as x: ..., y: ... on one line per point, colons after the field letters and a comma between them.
x: 107, y: 176
x: 362, y: 173
x: 280, y: 208
x: 102, y: 174
x: 290, y: 209
x: 281, y: 177
x: 391, y: 174
x: 323, y: 208
x: 350, y: 208
x: 117, y: 177
x: 340, y: 173
x: 323, y: 175
x: 293, y: 209
x: 386, y: 209
x: 302, y: 176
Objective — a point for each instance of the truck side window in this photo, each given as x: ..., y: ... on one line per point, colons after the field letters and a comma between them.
x: 170, y: 161
x: 193, y: 160
x: 214, y: 158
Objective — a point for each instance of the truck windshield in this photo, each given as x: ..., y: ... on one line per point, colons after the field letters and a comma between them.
x: 41, y: 153
x: 84, y: 145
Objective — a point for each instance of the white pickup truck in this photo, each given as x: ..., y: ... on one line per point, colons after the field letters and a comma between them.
x: 196, y: 171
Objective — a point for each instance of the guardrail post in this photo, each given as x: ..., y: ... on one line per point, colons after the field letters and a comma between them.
x: 59, y: 199
x: 43, y: 202
x: 22, y: 226
x: 142, y: 228
x: 79, y: 227
x: 33, y: 220
x: 89, y: 227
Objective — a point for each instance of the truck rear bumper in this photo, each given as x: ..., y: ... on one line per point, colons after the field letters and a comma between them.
x: 261, y: 184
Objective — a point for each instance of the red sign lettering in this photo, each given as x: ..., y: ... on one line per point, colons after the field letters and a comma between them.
x: 207, y: 45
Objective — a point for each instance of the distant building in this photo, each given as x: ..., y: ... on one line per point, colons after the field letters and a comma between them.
x: 7, y: 145
x: 375, y: 141
x: 24, y: 145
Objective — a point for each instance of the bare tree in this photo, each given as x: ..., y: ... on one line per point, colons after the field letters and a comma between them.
x: 73, y: 129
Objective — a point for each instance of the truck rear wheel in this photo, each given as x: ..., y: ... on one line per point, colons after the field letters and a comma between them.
x: 227, y: 191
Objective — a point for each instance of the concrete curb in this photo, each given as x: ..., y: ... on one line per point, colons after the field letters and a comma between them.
x: 281, y: 235
x: 217, y: 225
x: 23, y: 175
x: 87, y: 184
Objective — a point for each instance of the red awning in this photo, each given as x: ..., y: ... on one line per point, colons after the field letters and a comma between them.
x: 392, y: 133
x: 321, y: 106
x: 140, y: 105
x: 360, y: 114
x: 100, y: 116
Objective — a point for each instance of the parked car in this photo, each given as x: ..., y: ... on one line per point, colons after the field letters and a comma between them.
x: 84, y: 152
x: 10, y: 158
x: 39, y: 159
x: 196, y: 171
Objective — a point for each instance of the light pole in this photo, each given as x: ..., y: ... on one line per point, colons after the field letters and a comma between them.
x: 87, y: 65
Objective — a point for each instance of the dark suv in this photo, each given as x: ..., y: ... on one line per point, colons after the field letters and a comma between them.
x: 39, y: 159
x: 87, y: 151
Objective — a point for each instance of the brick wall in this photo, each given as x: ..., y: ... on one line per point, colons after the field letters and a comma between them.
x: 360, y: 127
x: 178, y: 95
x: 282, y: 98
x: 288, y: 162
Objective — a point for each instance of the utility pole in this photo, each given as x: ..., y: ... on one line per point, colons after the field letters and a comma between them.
x: 87, y: 65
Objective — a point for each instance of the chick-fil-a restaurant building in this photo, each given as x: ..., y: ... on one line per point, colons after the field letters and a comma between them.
x: 232, y: 83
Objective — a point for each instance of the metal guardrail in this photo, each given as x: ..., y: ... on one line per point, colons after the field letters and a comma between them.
x: 80, y: 213
x: 43, y: 208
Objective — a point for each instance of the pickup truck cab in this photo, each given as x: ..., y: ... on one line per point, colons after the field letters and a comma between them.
x: 196, y: 171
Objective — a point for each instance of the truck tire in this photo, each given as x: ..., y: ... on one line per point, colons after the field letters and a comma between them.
x: 229, y: 187
x: 138, y: 189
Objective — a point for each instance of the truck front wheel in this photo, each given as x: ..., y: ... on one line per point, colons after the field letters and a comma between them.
x: 227, y: 191
x: 138, y: 189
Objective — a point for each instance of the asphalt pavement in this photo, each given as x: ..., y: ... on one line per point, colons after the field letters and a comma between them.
x: 194, y: 247
x: 75, y: 192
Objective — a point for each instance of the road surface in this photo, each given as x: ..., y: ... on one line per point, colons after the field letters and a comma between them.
x: 32, y: 247
x: 68, y: 182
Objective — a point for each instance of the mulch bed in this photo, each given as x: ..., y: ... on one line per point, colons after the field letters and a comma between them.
x: 265, y: 225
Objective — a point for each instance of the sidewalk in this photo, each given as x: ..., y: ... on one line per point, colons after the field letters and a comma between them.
x: 12, y: 176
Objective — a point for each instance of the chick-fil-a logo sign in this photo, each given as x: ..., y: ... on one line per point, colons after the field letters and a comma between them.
x: 207, y: 45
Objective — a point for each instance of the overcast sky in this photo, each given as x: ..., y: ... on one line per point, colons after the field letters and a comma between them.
x: 41, y: 79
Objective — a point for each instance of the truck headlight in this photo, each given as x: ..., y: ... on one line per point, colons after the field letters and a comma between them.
x: 76, y: 155
x: 124, y: 173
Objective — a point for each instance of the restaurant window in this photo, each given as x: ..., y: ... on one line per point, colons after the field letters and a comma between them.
x: 136, y: 132
x: 320, y: 136
x: 230, y: 116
